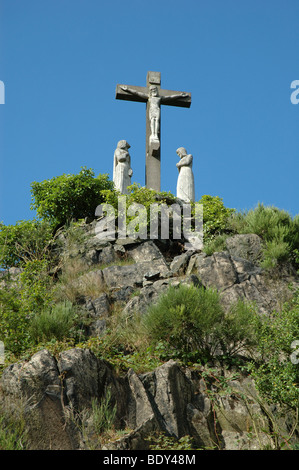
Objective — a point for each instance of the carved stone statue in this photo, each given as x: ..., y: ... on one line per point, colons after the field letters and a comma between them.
x: 155, y: 101
x: 154, y: 97
x: 122, y: 170
x: 185, y: 184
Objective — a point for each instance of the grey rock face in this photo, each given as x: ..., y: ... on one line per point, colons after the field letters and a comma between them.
x: 237, y: 278
x: 148, y: 252
x: 149, y: 262
x: 148, y: 294
x: 169, y: 391
x: 169, y: 399
x: 39, y: 385
x: 222, y: 271
x: 246, y: 246
x: 180, y: 263
x: 217, y: 271
x: 100, y: 306
x: 79, y: 369
x: 31, y: 378
x: 121, y: 276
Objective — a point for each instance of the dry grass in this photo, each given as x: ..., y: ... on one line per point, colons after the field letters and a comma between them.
x: 78, y: 280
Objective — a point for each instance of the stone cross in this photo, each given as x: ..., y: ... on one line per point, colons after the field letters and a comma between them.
x: 153, y: 96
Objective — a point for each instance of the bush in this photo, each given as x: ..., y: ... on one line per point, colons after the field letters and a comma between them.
x: 216, y: 244
x: 276, y: 375
x: 278, y: 230
x: 35, y: 286
x: 54, y: 322
x: 20, y: 300
x: 267, y: 222
x: 215, y: 217
x: 192, y: 325
x: 69, y: 197
x: 24, y: 241
x: 14, y: 322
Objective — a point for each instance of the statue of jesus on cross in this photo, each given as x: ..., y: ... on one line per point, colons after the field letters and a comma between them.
x: 154, y: 101
x: 153, y: 96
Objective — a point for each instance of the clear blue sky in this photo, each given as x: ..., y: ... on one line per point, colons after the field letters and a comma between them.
x: 60, y: 61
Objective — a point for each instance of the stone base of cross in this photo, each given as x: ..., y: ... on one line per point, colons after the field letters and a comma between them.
x: 153, y: 96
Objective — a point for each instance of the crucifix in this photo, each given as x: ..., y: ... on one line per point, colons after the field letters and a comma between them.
x: 153, y: 96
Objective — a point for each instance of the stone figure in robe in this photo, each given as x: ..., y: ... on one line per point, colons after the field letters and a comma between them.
x: 122, y: 170
x: 185, y: 184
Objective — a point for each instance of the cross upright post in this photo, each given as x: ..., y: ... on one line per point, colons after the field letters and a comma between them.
x: 153, y: 96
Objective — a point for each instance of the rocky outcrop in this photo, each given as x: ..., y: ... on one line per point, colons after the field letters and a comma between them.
x: 235, y: 273
x: 247, y: 246
x: 170, y: 399
x: 49, y: 386
x: 238, y: 278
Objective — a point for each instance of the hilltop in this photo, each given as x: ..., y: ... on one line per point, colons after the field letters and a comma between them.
x: 137, y: 343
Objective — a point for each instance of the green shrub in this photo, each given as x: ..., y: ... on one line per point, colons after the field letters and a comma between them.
x: 215, y: 215
x: 216, y: 244
x: 239, y: 329
x: 20, y: 300
x: 67, y: 197
x: 27, y: 240
x: 14, y: 322
x: 275, y: 374
x: 267, y: 222
x: 275, y: 252
x: 35, y: 286
x: 56, y: 322
x: 192, y: 325
x: 278, y: 230
x: 215, y: 220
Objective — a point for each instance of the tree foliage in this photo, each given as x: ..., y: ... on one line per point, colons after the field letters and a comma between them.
x: 215, y: 215
x: 27, y: 240
x: 69, y: 197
